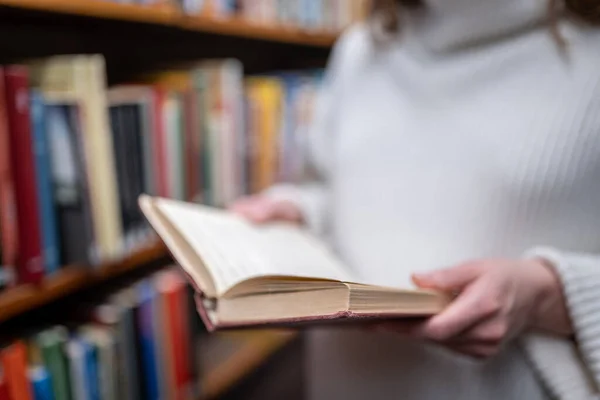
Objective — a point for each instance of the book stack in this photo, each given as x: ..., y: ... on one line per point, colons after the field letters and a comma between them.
x: 330, y: 15
x: 76, y: 155
x: 139, y: 344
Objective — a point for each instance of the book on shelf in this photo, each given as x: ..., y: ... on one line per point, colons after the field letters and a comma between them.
x: 135, y: 343
x: 205, y: 132
x: 277, y: 274
x: 318, y: 15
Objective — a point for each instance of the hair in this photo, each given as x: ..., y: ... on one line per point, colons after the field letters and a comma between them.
x: 386, y: 13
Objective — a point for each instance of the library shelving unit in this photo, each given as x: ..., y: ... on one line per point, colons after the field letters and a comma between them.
x: 133, y: 37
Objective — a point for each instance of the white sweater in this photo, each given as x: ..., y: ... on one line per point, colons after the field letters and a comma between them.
x: 467, y: 136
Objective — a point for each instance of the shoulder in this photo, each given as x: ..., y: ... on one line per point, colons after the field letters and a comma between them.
x: 353, y: 49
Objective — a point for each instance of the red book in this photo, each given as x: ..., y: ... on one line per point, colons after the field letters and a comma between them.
x: 172, y: 287
x: 4, y: 393
x: 8, y: 218
x: 14, y: 364
x: 29, y: 258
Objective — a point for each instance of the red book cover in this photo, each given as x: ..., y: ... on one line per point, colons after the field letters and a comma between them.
x: 4, y: 394
x: 8, y: 218
x: 29, y: 258
x: 160, y: 143
x: 176, y: 302
x: 14, y: 364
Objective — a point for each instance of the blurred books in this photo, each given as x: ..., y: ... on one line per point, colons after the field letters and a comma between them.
x: 76, y: 155
x: 139, y: 344
x: 327, y: 15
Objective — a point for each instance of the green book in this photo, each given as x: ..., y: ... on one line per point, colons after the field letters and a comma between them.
x: 52, y: 342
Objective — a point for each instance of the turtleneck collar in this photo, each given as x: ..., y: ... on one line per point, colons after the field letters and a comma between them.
x: 444, y: 25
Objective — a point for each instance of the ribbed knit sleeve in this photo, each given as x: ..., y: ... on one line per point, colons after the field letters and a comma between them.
x: 571, y: 369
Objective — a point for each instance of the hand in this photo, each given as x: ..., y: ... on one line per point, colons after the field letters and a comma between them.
x: 261, y: 209
x: 497, y: 300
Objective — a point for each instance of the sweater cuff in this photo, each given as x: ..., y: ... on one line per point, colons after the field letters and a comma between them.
x: 580, y: 277
x: 311, y: 199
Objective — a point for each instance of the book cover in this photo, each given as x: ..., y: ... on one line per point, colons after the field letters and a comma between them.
x: 30, y: 266
x: 14, y: 364
x: 130, y: 384
x: 83, y: 78
x: 160, y: 142
x: 8, y: 217
x: 90, y: 354
x: 50, y: 237
x: 149, y: 347
x: 4, y: 392
x: 52, y: 344
x: 41, y: 383
x: 77, y: 369
x: 69, y: 181
x: 124, y: 174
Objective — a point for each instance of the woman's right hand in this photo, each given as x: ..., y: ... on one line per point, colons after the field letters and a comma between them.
x: 260, y: 209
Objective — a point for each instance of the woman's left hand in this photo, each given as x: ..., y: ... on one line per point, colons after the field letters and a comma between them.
x: 496, y: 301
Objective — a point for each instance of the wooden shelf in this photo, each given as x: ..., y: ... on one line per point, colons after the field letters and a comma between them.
x: 169, y: 15
x: 159, y: 14
x: 255, y: 348
x: 241, y: 28
x: 69, y: 280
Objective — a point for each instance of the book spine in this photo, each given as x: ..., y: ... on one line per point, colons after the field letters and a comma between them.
x: 192, y: 156
x: 50, y: 237
x: 77, y: 368
x: 148, y: 345
x: 52, y: 342
x: 14, y: 364
x: 8, y: 218
x: 29, y: 259
x: 159, y: 143
x: 41, y: 383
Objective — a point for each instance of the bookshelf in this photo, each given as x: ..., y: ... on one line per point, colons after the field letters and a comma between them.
x: 135, y: 38
x: 168, y: 15
x: 71, y: 279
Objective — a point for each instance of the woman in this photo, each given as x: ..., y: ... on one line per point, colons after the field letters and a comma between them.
x: 460, y: 139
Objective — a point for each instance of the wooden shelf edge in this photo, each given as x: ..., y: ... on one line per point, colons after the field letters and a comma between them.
x: 253, y: 353
x: 155, y: 14
x: 70, y: 279
x: 242, y: 28
x: 167, y: 14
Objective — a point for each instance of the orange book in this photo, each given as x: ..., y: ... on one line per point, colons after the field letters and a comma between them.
x: 14, y: 363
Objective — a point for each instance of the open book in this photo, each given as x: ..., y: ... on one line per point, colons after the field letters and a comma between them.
x: 248, y: 275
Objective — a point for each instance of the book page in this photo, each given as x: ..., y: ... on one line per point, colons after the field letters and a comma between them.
x: 235, y: 250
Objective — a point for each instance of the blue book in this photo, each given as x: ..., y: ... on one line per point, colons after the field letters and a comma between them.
x: 90, y: 356
x: 41, y: 383
x: 149, y: 346
x: 50, y: 237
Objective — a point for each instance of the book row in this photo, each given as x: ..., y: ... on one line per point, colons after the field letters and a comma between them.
x: 139, y: 343
x: 330, y: 15
x: 76, y: 155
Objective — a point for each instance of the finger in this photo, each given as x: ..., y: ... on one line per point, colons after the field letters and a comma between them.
x: 256, y: 210
x: 471, y: 307
x: 286, y: 211
x: 454, y: 278
x: 478, y: 350
x: 494, y: 332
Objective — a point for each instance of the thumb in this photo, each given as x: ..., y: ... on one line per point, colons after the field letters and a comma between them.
x: 453, y: 278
